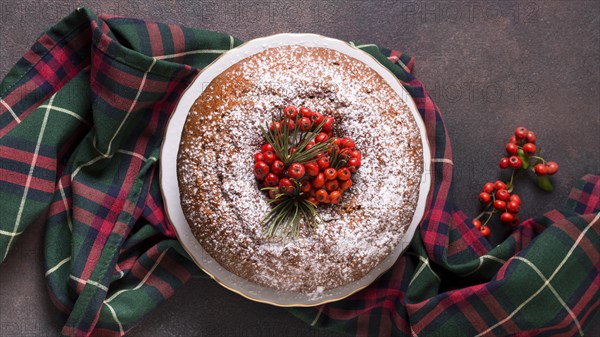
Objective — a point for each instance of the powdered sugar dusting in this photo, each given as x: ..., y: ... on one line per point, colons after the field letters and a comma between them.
x: 222, y: 200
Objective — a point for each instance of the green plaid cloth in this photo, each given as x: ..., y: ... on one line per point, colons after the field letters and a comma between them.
x: 82, y: 116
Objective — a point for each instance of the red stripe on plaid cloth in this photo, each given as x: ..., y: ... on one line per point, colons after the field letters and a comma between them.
x: 157, y: 45
x: 90, y: 193
x: 591, y: 199
x: 178, y: 39
x: 26, y: 157
x: 17, y: 178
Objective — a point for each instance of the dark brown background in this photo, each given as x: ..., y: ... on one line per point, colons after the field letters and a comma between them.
x: 489, y: 65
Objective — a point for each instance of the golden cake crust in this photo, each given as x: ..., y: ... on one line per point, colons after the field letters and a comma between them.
x: 222, y: 201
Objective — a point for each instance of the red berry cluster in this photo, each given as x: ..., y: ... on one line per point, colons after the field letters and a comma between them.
x: 499, y: 199
x: 319, y: 177
x: 522, y: 150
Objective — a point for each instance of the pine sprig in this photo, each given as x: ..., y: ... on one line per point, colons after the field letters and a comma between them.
x: 338, y: 159
x: 289, y: 212
x: 282, y: 140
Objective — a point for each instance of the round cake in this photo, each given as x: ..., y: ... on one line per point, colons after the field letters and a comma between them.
x: 223, y: 202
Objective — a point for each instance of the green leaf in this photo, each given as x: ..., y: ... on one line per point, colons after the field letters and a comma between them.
x: 545, y: 184
x: 524, y: 159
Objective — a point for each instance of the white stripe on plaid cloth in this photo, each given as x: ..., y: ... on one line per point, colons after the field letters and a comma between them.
x: 10, y: 110
x: 547, y: 281
x: 143, y: 281
x: 533, y: 266
x: 94, y: 283
x: 58, y: 265
x: 29, y: 176
x: 135, y: 100
x: 68, y: 112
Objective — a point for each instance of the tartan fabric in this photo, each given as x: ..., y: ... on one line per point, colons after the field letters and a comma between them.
x: 82, y: 116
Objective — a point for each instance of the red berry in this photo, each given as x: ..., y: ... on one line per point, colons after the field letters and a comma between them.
x: 318, y: 181
x: 316, y: 118
x: 476, y: 223
x: 258, y: 157
x: 334, y: 197
x: 513, y: 140
x: 261, y: 169
x: 323, y: 163
x: 355, y: 154
x: 338, y: 142
x: 530, y: 137
x: 271, y: 180
x: 296, y: 171
x: 499, y: 185
x: 305, y: 186
x: 515, y: 162
x: 485, y: 231
x: 354, y: 162
x: 348, y: 143
x: 500, y: 205
x: 343, y: 174
x: 270, y: 157
x: 272, y: 194
x: 515, y: 198
x: 313, y: 200
x: 529, y: 148
x: 275, y: 126
x: 332, y: 148
x: 278, y: 167
x: 512, y: 149
x: 291, y: 112
x: 312, y: 169
x: 306, y: 112
x: 503, y: 195
x: 507, y: 217
x: 484, y: 197
x: 345, y: 184
x: 291, y: 125
x: 322, y: 195
x: 332, y: 185
x: 330, y: 173
x: 304, y: 124
x: 321, y: 137
x: 286, y: 185
x: 513, y: 207
x: 551, y: 168
x: 521, y: 132
x: 540, y: 169
x: 328, y: 125
x: 266, y: 147
x: 503, y: 163
x: 489, y: 187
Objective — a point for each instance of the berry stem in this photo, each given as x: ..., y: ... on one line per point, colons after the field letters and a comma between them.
x: 489, y: 217
x: 509, y: 186
x: 486, y: 209
x: 539, y: 158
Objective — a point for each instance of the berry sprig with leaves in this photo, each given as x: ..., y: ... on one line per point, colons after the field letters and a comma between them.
x: 498, y: 197
x: 302, y: 166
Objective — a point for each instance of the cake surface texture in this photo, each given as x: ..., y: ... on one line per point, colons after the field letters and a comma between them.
x: 222, y: 200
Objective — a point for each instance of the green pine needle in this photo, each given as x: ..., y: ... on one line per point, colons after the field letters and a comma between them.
x: 289, y: 213
x: 284, y: 139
